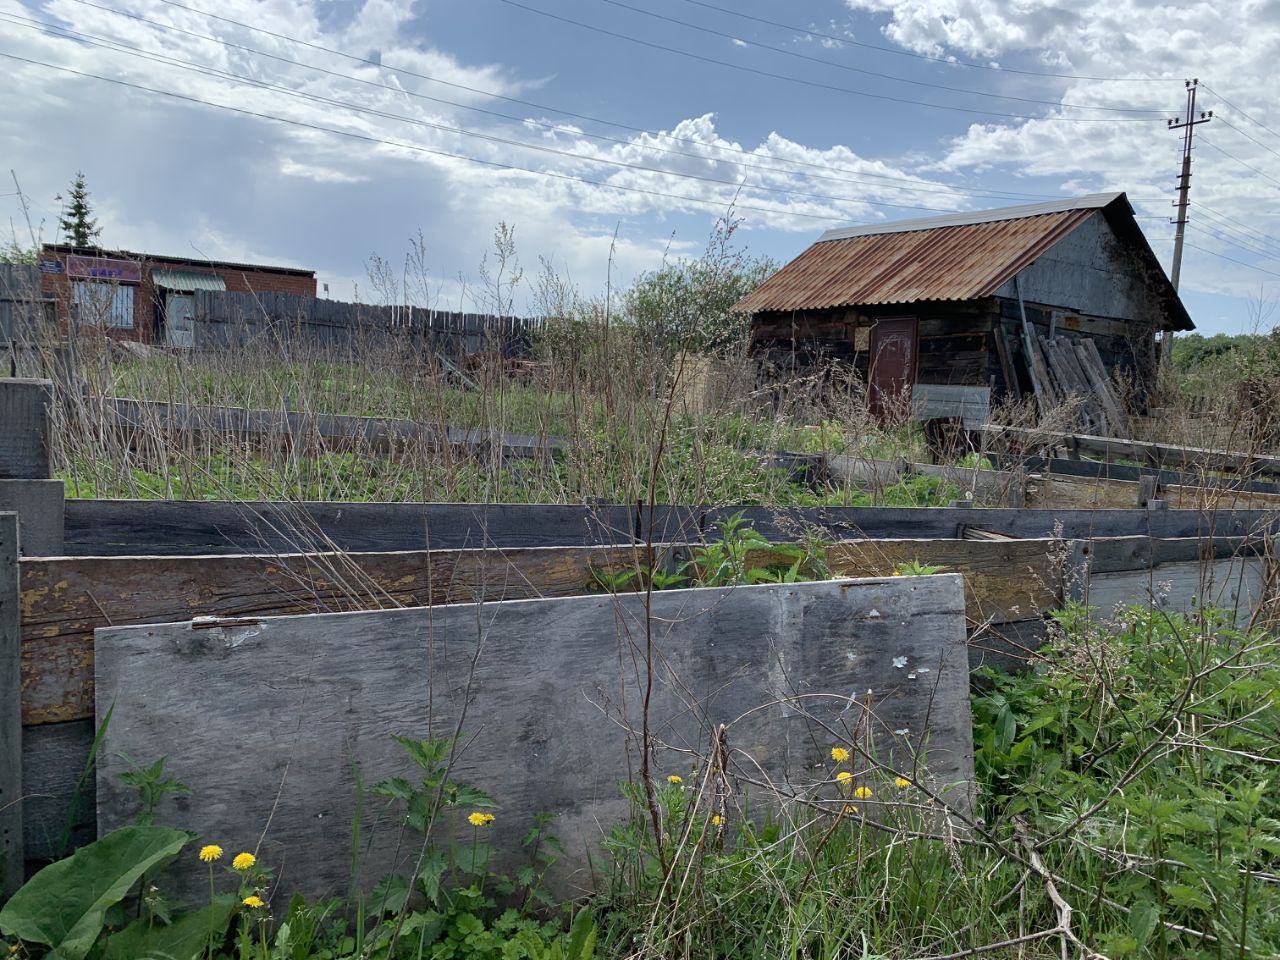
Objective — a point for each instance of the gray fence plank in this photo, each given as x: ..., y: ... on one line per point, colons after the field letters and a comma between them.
x: 175, y: 527
x: 11, y: 847
x: 40, y: 506
x: 264, y: 721
x: 24, y: 429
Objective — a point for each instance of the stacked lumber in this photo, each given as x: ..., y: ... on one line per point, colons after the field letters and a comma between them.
x: 1066, y: 370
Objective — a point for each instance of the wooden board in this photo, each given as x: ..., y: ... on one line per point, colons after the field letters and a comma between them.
x: 265, y: 722
x: 59, y: 812
x: 65, y: 599
x: 882, y: 523
x: 188, y: 527
x: 1154, y: 454
x: 11, y: 790
x: 24, y: 429
x: 1178, y: 575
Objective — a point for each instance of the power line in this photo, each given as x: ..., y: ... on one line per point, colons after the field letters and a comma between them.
x: 1240, y: 112
x: 541, y: 106
x: 205, y: 70
x: 417, y: 148
x: 1249, y: 138
x: 1237, y: 223
x: 1221, y: 256
x: 949, y: 61
x: 869, y: 73
x: 860, y: 178
x: 815, y: 83
x: 1240, y: 245
x: 1209, y: 143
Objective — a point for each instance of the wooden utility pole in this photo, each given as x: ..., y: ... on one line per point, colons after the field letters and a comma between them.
x: 1188, y: 125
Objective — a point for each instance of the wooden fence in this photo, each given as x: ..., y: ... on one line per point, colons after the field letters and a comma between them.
x: 223, y: 320
x: 1008, y: 587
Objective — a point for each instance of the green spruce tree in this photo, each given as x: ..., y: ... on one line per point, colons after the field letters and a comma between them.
x: 78, y: 226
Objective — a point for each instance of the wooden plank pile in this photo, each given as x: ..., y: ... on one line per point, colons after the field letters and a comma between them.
x: 1070, y: 372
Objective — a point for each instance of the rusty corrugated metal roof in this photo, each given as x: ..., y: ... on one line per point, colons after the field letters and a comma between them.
x: 946, y: 262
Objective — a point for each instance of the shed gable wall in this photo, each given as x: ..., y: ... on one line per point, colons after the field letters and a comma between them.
x: 1091, y: 271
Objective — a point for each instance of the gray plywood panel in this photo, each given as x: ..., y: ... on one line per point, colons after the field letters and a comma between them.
x: 264, y: 720
x: 39, y: 505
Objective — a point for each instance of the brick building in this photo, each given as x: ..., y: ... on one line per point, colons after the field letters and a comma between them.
x: 146, y: 297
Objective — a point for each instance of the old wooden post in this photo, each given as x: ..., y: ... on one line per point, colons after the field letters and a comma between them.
x: 24, y: 429
x: 11, y: 849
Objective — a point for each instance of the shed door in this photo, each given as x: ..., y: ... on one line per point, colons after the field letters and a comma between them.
x: 179, y: 325
x: 893, y: 365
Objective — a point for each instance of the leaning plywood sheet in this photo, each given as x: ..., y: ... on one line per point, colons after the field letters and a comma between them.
x: 265, y: 720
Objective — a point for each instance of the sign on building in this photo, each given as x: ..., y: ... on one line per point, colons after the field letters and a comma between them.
x: 104, y: 268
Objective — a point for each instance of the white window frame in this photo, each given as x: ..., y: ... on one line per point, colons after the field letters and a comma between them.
x: 108, y: 304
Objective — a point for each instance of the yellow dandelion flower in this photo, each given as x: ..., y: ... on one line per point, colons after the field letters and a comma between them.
x: 253, y: 901
x: 844, y: 776
x: 862, y: 793
x: 897, y: 573
x: 839, y: 754
x: 902, y: 783
x: 849, y: 808
x: 675, y: 778
x: 243, y: 861
x: 211, y: 853
x: 716, y: 821
x: 479, y: 819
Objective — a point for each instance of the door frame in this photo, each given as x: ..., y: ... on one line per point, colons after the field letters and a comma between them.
x: 873, y: 394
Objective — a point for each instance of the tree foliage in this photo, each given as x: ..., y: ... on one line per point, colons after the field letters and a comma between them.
x: 77, y: 223
x: 688, y: 304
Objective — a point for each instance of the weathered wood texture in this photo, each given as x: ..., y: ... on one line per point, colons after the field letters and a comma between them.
x: 65, y: 599
x: 1177, y: 575
x: 180, y: 527
x: 1049, y: 490
x: 880, y: 523
x: 59, y: 812
x: 1153, y: 454
x: 1102, y: 470
x: 11, y: 847
x: 24, y: 429
x: 39, y: 505
x: 381, y: 435
x: 287, y: 706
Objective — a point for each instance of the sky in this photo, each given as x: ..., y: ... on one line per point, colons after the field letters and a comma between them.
x: 611, y: 134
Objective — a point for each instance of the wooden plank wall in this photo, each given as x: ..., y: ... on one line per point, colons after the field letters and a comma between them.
x: 226, y: 319
x: 25, y: 452
x: 551, y: 712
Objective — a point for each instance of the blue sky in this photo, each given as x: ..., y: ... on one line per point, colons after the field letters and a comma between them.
x: 668, y: 139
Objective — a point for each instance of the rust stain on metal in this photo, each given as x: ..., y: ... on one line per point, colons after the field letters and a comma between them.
x: 958, y: 262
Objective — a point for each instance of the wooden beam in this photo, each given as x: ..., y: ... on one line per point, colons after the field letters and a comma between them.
x: 64, y: 599
x: 12, y: 857
x: 1155, y: 454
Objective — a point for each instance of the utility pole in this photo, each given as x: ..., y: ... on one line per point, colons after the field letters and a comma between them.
x: 1188, y: 125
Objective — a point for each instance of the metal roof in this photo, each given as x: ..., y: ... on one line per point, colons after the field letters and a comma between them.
x: 1094, y: 201
x: 184, y: 280
x: 155, y: 258
x: 952, y: 257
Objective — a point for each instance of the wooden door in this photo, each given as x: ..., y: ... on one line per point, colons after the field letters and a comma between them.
x: 179, y: 319
x: 892, y: 365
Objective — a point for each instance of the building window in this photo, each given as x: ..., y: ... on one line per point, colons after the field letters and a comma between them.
x: 107, y: 304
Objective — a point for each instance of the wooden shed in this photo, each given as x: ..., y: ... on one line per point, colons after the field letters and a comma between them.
x: 957, y: 310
